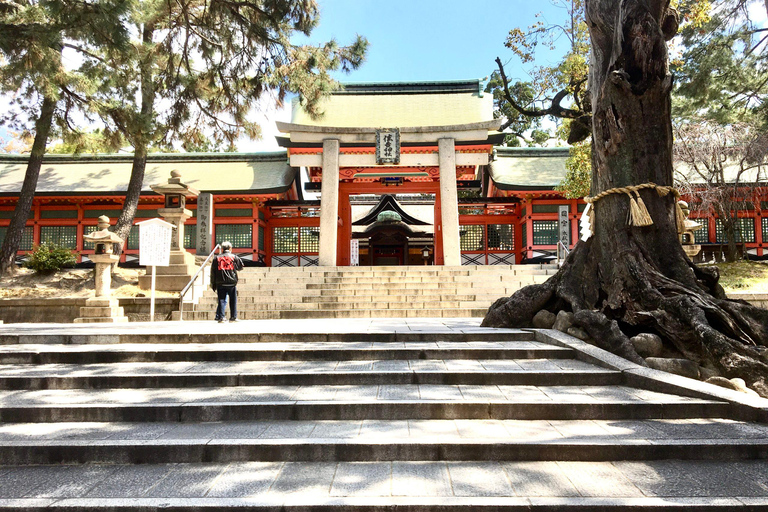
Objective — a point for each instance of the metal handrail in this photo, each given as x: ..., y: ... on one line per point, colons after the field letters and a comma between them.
x: 565, y: 249
x: 191, y: 282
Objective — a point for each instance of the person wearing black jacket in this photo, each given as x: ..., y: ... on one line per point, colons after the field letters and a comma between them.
x: 224, y: 268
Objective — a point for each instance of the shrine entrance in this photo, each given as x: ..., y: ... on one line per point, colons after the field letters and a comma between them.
x: 387, y: 256
x: 386, y: 232
x: 348, y: 161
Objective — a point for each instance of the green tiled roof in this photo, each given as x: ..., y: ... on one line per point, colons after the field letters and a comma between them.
x: 401, y: 105
x: 528, y: 168
x: 258, y: 173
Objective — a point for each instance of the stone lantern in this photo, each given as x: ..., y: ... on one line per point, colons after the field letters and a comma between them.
x: 175, y: 210
x: 687, y: 236
x: 102, y: 307
x: 182, y: 268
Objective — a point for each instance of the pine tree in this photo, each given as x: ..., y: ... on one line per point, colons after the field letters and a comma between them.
x: 197, y: 68
x: 33, y: 37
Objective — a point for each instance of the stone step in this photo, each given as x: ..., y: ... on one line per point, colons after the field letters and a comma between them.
x: 378, y: 278
x: 232, y: 434
x: 386, y: 298
x: 354, y: 313
x: 351, y: 402
x: 227, y: 334
x: 535, y: 372
x: 352, y: 305
x: 415, y: 486
x: 399, y: 270
x: 362, y: 296
x: 289, y: 290
x: 374, y: 296
x: 470, y: 285
x: 530, y: 378
x: 342, y: 290
x: 342, y: 347
x: 244, y: 450
x: 381, y: 440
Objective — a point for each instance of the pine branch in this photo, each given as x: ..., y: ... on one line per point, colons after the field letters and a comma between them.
x: 554, y: 110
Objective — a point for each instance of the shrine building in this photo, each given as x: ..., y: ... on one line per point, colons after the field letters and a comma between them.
x: 406, y: 174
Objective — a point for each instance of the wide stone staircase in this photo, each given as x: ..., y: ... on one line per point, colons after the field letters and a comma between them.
x: 396, y: 417
x: 371, y: 292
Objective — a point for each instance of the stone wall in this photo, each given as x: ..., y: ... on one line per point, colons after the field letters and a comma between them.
x: 65, y: 310
x: 756, y: 299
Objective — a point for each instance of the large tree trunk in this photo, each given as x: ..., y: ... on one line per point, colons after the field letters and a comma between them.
x: 628, y: 279
x: 140, y: 143
x: 132, y: 195
x: 27, y: 195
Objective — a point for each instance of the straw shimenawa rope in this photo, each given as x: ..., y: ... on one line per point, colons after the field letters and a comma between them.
x: 638, y: 213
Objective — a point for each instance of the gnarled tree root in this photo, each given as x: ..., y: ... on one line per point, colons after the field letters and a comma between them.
x: 624, y: 295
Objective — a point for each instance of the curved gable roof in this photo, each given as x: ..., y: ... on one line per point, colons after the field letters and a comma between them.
x: 388, y: 202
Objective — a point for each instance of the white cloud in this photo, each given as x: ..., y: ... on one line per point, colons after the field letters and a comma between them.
x: 267, y: 114
x: 758, y: 14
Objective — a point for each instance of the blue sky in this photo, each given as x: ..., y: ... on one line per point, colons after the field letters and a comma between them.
x: 427, y: 39
x: 421, y: 40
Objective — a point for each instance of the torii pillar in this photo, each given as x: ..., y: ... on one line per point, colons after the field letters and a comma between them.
x: 449, y: 202
x: 329, y: 204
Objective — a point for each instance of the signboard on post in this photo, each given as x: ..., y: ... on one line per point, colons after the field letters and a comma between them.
x: 354, y: 253
x: 155, y: 243
x: 563, y: 229
x: 154, y: 251
x: 204, y: 223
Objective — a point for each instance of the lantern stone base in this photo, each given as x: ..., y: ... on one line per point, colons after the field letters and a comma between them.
x: 101, y: 310
x: 175, y: 276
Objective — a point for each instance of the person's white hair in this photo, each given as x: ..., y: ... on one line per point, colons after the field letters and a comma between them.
x: 226, y: 246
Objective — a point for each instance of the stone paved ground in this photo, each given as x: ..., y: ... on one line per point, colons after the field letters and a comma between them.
x: 427, y: 414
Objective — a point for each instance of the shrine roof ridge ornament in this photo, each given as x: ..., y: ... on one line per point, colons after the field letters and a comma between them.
x: 414, y: 87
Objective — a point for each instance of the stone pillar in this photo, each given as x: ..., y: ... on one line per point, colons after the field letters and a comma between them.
x: 449, y: 207
x: 329, y: 204
x: 204, y: 223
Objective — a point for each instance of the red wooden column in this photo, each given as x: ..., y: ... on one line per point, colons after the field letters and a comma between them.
x: 268, y: 237
x: 345, y: 226
x: 519, y: 244
x: 438, y: 236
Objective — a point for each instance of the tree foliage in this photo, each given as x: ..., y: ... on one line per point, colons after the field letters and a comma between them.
x: 557, y: 93
x: 720, y: 111
x: 722, y: 169
x: 553, y: 92
x: 722, y: 73
x: 578, y: 171
x: 197, y: 68
x: 34, y: 36
x: 90, y: 142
